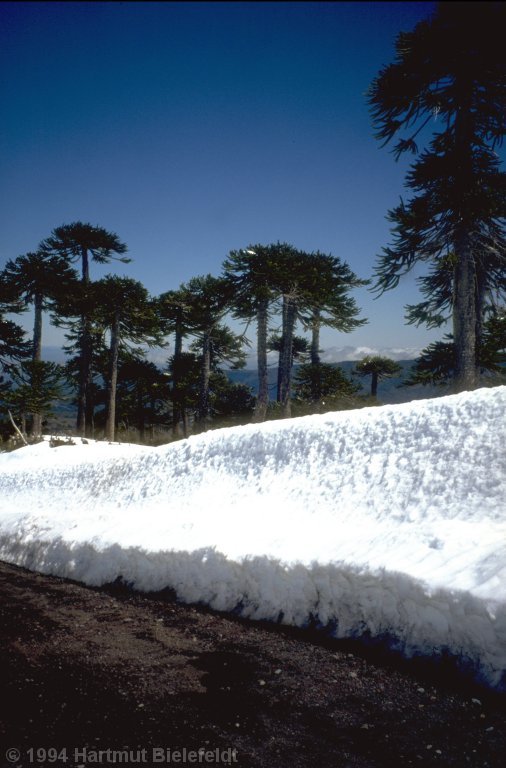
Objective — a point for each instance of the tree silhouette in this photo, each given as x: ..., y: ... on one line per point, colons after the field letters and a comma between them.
x: 78, y: 242
x: 251, y: 274
x: 377, y: 368
x: 448, y: 78
x: 38, y: 279
x: 124, y: 308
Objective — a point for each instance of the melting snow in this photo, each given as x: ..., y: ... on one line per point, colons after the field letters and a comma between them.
x: 390, y: 521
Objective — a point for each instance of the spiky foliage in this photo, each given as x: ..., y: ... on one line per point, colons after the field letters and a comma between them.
x: 377, y: 367
x: 437, y: 362
x: 252, y: 273
x: 79, y: 242
x: 36, y: 385
x: 326, y: 379
x: 208, y: 299
x: 124, y: 307
x: 448, y: 80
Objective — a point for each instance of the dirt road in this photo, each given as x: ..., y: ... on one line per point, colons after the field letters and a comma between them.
x: 109, y: 676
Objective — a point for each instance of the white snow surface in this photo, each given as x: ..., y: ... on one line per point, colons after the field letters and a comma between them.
x: 385, y: 522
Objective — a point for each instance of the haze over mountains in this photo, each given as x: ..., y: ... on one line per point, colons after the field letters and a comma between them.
x: 389, y: 390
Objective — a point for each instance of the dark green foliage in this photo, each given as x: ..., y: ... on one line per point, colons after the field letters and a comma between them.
x: 36, y: 384
x: 448, y: 80
x: 142, y: 395
x: 229, y: 399
x: 437, y: 363
x: 78, y: 242
x: 377, y: 368
x: 325, y: 379
x: 13, y: 346
x: 226, y: 398
x: 123, y: 307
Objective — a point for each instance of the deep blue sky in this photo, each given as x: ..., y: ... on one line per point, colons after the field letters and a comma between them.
x: 191, y: 129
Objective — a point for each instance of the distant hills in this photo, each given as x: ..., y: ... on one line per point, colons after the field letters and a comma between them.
x: 389, y: 390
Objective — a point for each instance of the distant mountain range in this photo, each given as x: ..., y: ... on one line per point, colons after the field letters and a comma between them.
x: 389, y: 390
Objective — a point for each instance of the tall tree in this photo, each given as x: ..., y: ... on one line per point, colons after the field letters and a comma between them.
x: 208, y: 300
x: 300, y: 352
x: 437, y: 362
x: 174, y: 308
x: 127, y: 312
x: 449, y: 75
x: 78, y: 242
x: 251, y: 273
x: 377, y: 368
x: 330, y: 306
x: 38, y: 279
x: 315, y: 289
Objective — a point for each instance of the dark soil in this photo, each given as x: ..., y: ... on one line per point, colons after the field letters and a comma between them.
x: 107, y: 676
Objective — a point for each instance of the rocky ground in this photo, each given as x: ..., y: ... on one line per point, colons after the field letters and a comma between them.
x: 107, y: 676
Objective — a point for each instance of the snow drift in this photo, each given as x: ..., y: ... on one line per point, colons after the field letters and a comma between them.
x: 389, y: 522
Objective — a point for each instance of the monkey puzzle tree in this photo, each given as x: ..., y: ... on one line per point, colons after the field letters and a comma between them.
x: 450, y: 71
x: 125, y: 310
x: 78, y: 242
x: 208, y: 299
x: 38, y: 279
x: 377, y: 368
x: 331, y: 381
x: 174, y: 308
x: 36, y: 384
x: 315, y: 289
x: 141, y: 393
x: 251, y: 274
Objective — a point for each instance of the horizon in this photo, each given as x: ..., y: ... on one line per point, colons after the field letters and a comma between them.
x: 200, y: 128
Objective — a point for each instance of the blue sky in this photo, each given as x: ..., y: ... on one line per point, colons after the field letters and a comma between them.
x: 191, y: 129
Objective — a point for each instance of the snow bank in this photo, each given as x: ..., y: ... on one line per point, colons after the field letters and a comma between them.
x: 387, y: 521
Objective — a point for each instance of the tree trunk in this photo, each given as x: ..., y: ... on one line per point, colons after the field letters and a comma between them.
x: 480, y: 317
x: 262, y: 402
x: 284, y: 310
x: 374, y: 384
x: 178, y: 348
x: 287, y: 359
x: 141, y: 420
x: 84, y: 394
x: 37, y: 355
x: 315, y: 357
x: 315, y: 339
x: 205, y: 373
x: 84, y: 362
x: 464, y: 305
x: 85, y: 264
x: 464, y: 319
x: 113, y: 380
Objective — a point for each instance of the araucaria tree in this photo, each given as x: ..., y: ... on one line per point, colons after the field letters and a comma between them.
x: 449, y: 78
x: 38, y: 279
x: 377, y: 368
x: 251, y: 274
x: 125, y: 310
x: 78, y: 242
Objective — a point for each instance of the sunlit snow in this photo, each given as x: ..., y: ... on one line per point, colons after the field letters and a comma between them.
x: 387, y: 521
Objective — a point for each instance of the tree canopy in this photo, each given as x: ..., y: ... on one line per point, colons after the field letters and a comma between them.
x: 448, y: 81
